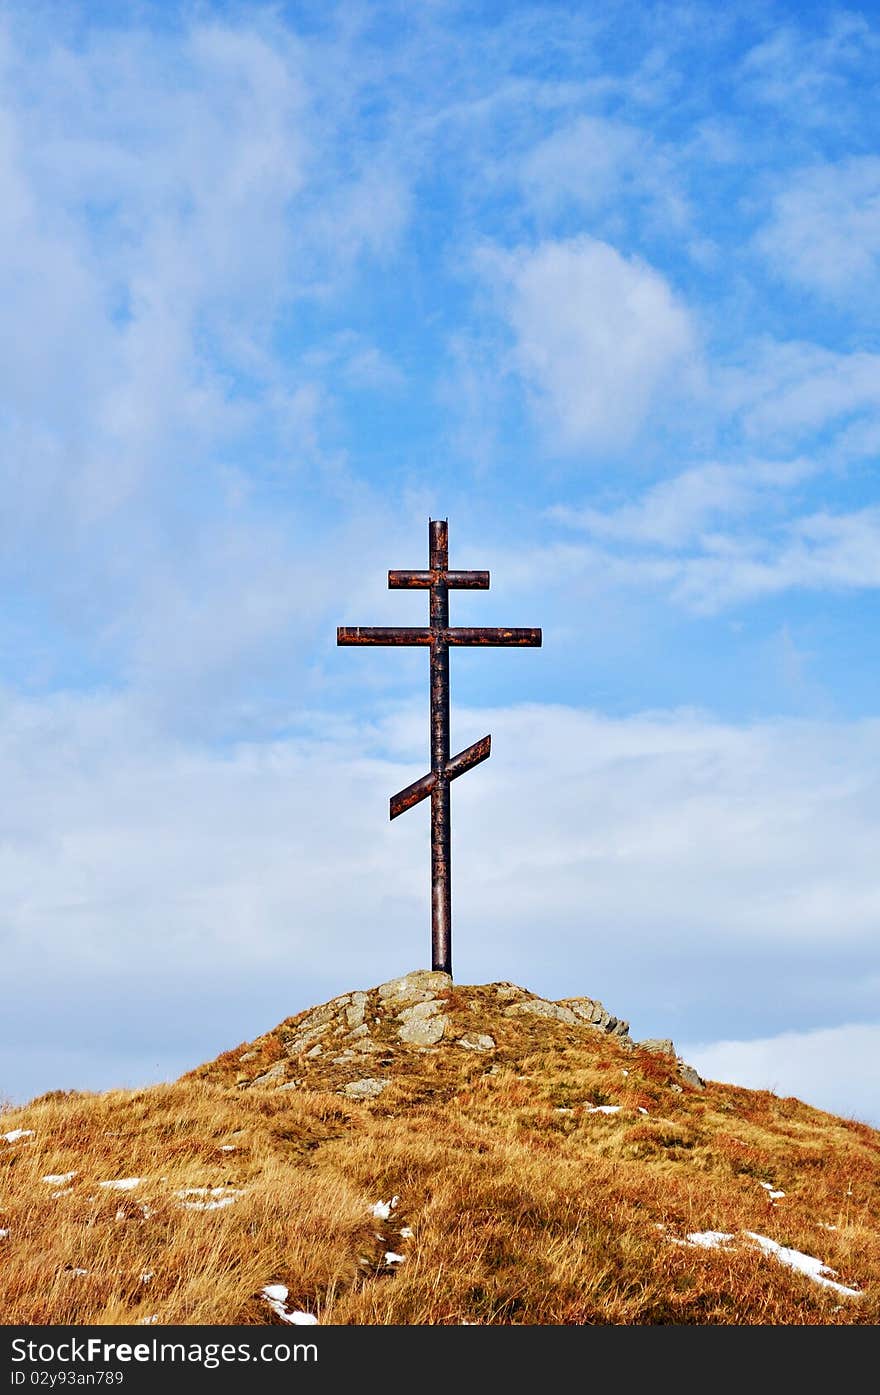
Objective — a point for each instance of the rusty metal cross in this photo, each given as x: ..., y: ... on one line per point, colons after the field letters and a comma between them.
x: 439, y: 580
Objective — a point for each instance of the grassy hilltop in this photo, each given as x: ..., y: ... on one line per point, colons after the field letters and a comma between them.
x: 545, y: 1169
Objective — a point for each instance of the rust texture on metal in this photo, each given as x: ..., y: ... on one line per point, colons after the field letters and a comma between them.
x: 438, y: 580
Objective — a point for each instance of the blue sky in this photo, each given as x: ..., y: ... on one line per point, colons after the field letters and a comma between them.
x: 598, y: 284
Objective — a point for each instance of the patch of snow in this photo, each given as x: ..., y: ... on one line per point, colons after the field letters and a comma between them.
x: 560, y: 1109
x: 212, y: 1198
x: 793, y: 1259
x: 624, y: 1073
x: 382, y: 1209
x: 276, y: 1296
x: 708, y: 1239
x: 642, y: 1110
x: 58, y: 1179
x: 772, y: 1194
x: 406, y: 1233
x: 392, y: 1258
x: 122, y: 1184
x: 147, y: 1321
x: 210, y: 1205
x: 228, y: 1147
x: 804, y: 1264
x: 16, y: 1134
x: 67, y: 1191
x: 826, y: 1226
x: 603, y: 1109
x: 145, y: 1278
x: 3, y: 1234
x: 79, y: 1271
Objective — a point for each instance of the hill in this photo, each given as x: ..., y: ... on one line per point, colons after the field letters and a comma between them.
x: 425, y: 1152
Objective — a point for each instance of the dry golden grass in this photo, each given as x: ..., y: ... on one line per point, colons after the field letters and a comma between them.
x: 524, y: 1206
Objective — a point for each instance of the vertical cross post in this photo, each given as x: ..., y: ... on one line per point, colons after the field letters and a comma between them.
x: 438, y: 580
x: 441, y: 854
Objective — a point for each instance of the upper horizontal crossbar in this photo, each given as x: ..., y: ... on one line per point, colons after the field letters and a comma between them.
x: 456, y: 581
x: 385, y: 634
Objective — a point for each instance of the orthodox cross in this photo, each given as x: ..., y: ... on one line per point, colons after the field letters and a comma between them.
x: 439, y: 580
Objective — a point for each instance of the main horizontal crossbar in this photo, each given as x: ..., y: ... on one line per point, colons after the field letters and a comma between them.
x: 381, y: 634
x: 456, y: 581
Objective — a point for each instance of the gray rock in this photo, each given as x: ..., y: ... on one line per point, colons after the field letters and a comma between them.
x: 366, y: 1089
x: 414, y: 987
x: 690, y: 1076
x: 595, y: 1015
x: 315, y: 1051
x: 361, y: 1031
x: 507, y: 991
x: 290, y: 1085
x: 273, y: 1073
x: 420, y: 1010
x: 354, y: 1013
x: 540, y: 1007
x: 296, y: 1044
x: 249, y: 1056
x: 661, y: 1046
x: 423, y: 1031
x: 477, y: 1041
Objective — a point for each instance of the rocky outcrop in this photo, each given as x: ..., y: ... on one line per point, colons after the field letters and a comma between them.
x: 663, y: 1046
x: 392, y: 1026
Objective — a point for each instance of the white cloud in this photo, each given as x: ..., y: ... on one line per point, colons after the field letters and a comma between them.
x: 594, y: 162
x: 597, y: 337
x: 830, y: 1068
x: 824, y: 231
x: 718, y: 536
x: 789, y: 391
x: 165, y: 202
x: 678, y: 510
x: 808, y: 73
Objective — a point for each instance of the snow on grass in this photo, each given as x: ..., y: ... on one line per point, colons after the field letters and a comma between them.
x: 58, y: 1179
x: 406, y: 1233
x: 772, y: 1193
x: 122, y: 1184
x: 804, y: 1264
x: 147, y: 1321
x: 3, y: 1234
x: 207, y: 1198
x: 793, y: 1259
x: 276, y: 1296
x: 603, y: 1109
x: 708, y: 1239
x: 228, y: 1147
x: 65, y: 1191
x: 16, y: 1134
x: 392, y: 1258
x: 382, y: 1209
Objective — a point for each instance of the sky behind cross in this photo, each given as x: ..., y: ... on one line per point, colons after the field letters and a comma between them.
x: 600, y: 286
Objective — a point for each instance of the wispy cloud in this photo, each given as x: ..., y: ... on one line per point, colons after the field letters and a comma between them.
x: 824, y: 230
x: 597, y: 337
